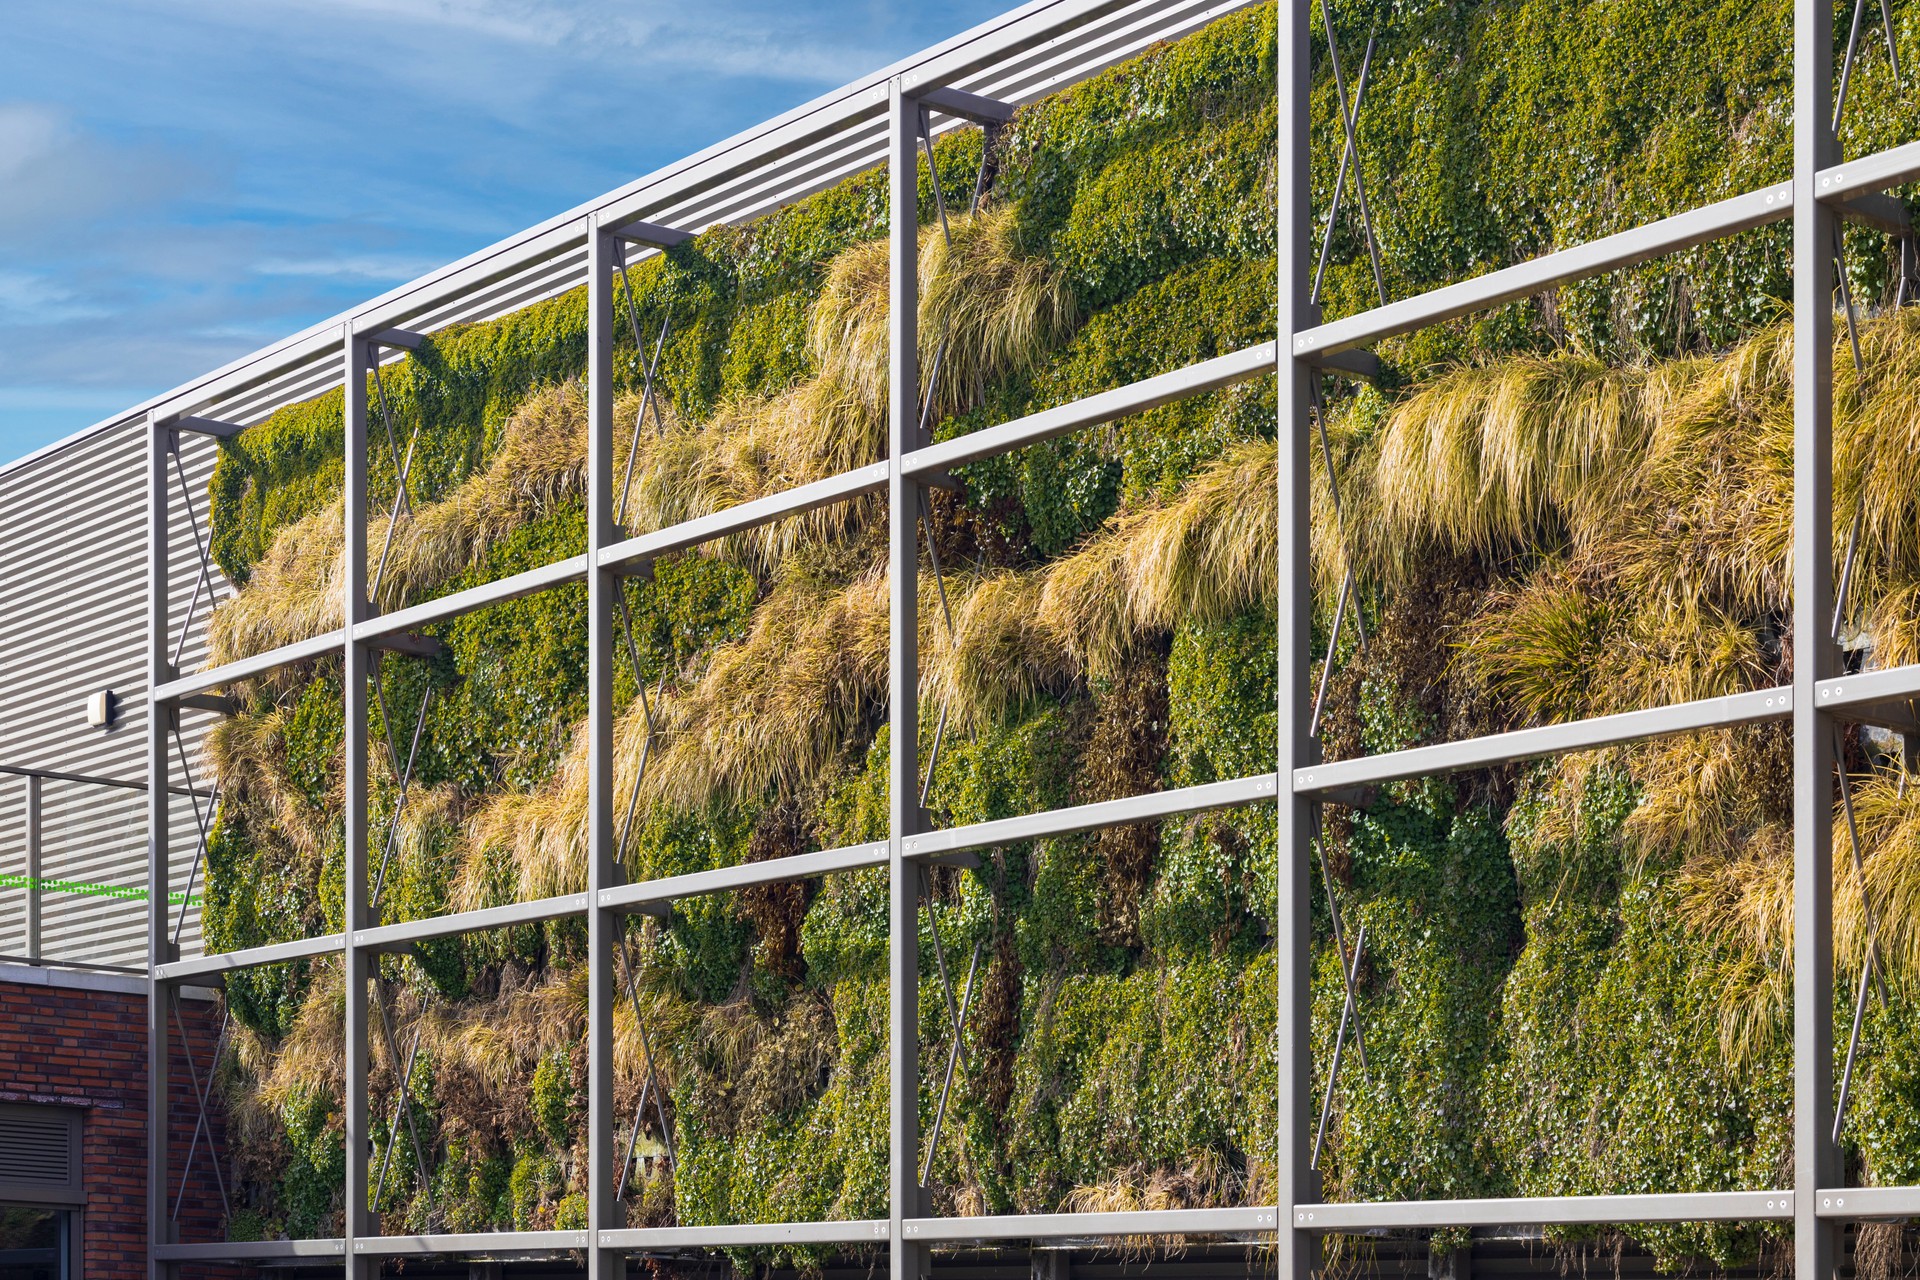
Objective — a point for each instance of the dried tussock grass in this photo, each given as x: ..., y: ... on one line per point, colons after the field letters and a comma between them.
x: 1005, y: 311
x: 1206, y: 1181
x: 770, y: 712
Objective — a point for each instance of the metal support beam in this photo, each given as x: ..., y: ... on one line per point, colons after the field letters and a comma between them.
x: 648, y: 233
x: 159, y: 942
x: 35, y: 867
x: 1541, y: 1211
x: 967, y: 106
x: 1297, y: 1252
x: 404, y: 339
x: 208, y: 427
x: 1881, y: 212
x: 1816, y: 1161
x: 1755, y: 707
x: 1624, y: 249
x: 357, y: 963
x: 1102, y: 407
x: 931, y: 846
x: 603, y: 926
x: 909, y: 1260
x: 1258, y: 1220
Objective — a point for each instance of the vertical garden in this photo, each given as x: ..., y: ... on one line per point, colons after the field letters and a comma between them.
x: 1575, y: 977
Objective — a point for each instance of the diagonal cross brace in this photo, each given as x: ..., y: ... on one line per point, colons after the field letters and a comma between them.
x: 1349, y: 154
x: 652, y: 1087
x: 1873, y: 968
x: 1853, y: 45
x: 1340, y: 944
x: 1350, y: 123
x: 406, y: 1098
x: 204, y: 580
x: 646, y: 395
x: 201, y: 1095
x: 405, y: 775
x: 954, y: 1052
x: 204, y: 823
x: 1347, y: 581
x: 1351, y: 973
x: 393, y: 1125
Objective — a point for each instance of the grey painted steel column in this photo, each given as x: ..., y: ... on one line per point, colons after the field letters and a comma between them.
x: 1815, y: 1156
x: 1293, y: 939
x: 159, y: 948
x: 36, y: 867
x: 602, y: 924
x: 908, y: 1259
x: 356, y: 960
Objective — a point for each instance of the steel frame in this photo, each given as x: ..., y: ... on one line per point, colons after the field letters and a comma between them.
x: 1820, y: 190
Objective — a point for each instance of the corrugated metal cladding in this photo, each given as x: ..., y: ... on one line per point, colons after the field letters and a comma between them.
x: 73, y: 621
x: 73, y: 517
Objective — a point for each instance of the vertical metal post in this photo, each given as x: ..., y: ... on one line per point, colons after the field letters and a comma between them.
x: 1295, y: 1179
x: 356, y: 963
x: 159, y: 944
x: 36, y: 866
x: 1815, y: 1155
x: 903, y: 572
x: 602, y: 924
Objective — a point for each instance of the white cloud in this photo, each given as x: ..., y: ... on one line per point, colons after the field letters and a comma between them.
x: 55, y: 177
x: 387, y: 268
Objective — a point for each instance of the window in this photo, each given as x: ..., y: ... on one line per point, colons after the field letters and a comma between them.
x: 34, y: 1243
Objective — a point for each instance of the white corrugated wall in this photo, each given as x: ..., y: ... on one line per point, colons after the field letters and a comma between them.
x: 73, y: 615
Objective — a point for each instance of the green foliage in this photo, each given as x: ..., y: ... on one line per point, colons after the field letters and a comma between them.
x: 554, y: 1098
x: 1535, y: 1019
x: 310, y: 1181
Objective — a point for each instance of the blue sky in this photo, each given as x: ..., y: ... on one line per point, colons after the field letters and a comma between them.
x: 182, y: 181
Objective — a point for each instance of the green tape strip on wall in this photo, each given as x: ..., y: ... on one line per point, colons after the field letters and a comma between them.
x: 87, y: 888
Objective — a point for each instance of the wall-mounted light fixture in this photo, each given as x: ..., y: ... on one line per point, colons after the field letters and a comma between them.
x: 102, y: 707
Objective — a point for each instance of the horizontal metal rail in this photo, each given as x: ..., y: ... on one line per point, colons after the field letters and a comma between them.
x: 513, y: 587
x: 799, y: 866
x: 1552, y: 739
x: 1624, y: 249
x: 1059, y: 1226
x: 1195, y: 379
x: 1106, y: 406
x: 1855, y: 1203
x: 1088, y: 817
x: 482, y: 1242
x: 1874, y: 172
x: 250, y: 1250
x: 746, y: 1235
x: 1867, y: 689
x: 258, y: 664
x: 1541, y: 1211
x: 248, y: 958
x: 748, y: 515
x: 397, y: 937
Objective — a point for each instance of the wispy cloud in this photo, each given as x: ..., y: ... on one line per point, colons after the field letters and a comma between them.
x: 184, y: 180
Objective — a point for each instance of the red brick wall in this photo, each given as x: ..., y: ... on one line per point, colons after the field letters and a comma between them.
x: 87, y: 1049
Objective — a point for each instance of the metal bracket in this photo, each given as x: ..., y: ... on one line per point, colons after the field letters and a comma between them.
x: 651, y: 234
x: 208, y: 426
x: 1358, y: 364
x: 940, y: 478
x: 410, y: 643
x: 405, y: 338
x: 1900, y: 717
x: 215, y: 702
x: 1361, y: 797
x: 1877, y: 210
x: 968, y: 106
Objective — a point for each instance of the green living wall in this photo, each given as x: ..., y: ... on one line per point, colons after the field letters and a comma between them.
x: 1551, y: 952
